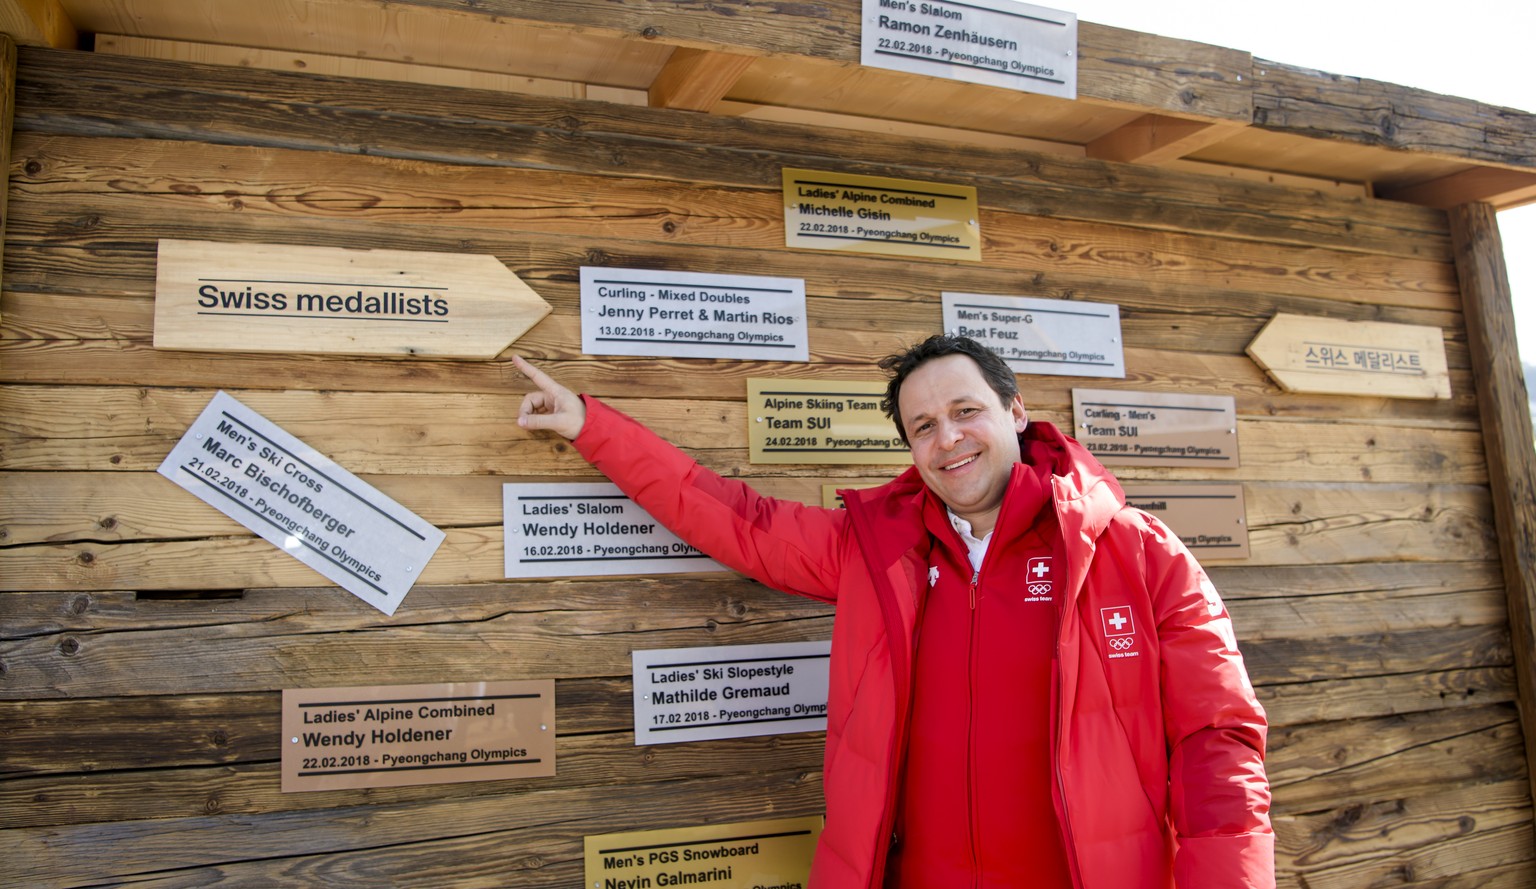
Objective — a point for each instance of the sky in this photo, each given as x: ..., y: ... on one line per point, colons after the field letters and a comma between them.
x: 1476, y: 49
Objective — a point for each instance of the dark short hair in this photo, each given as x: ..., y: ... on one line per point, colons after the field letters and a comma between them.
x: 994, y: 370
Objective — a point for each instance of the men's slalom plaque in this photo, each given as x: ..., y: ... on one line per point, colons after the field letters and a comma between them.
x: 584, y: 529
x: 773, y: 854
x: 295, y: 498
x: 1210, y: 519
x: 1041, y: 336
x: 1004, y: 43
x: 1124, y: 428
x: 820, y: 421
x: 730, y: 691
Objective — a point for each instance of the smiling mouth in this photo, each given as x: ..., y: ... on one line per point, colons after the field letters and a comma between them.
x: 959, y: 463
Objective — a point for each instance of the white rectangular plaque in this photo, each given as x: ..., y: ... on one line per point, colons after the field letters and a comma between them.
x: 730, y: 691
x: 1002, y: 43
x: 585, y: 529
x: 1057, y: 337
x: 238, y: 462
x: 692, y: 315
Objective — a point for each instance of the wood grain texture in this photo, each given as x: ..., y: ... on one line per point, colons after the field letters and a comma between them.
x: 1505, y: 408
x: 1373, y: 614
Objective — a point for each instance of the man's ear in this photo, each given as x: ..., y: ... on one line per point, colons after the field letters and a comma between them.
x: 1020, y: 415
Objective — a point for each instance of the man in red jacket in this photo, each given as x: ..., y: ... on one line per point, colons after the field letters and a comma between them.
x: 1032, y: 684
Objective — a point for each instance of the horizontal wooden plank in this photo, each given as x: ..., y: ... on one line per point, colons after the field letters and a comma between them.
x: 169, y: 178
x: 1444, y: 649
x: 1272, y: 581
x: 1312, y: 768
x: 64, y: 504
x: 1288, y: 525
x: 1329, y: 699
x: 100, y: 95
x: 132, y: 429
x: 156, y: 791
x: 295, y: 644
x: 1318, y: 105
x: 1350, y: 845
x: 1363, y: 614
x: 524, y: 630
x: 73, y: 356
x: 843, y: 295
x: 55, y: 507
x: 99, y: 853
x: 1298, y: 587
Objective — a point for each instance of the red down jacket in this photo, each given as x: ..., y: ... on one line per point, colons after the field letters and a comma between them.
x: 1159, y: 740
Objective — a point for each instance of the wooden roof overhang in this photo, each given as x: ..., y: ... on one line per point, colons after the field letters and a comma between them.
x: 1142, y: 98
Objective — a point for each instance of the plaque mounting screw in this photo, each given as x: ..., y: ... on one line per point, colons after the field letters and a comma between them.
x: 759, y: 419
x: 293, y: 740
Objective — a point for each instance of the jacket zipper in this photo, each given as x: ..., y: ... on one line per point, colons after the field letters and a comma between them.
x: 970, y: 739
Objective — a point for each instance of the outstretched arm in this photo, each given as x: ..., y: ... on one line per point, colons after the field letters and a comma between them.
x: 550, y: 405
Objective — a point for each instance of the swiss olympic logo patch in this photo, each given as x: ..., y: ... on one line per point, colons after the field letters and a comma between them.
x: 1119, y: 631
x: 1038, y: 572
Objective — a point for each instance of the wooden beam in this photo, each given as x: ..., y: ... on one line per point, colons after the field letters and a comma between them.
x: 1506, y: 418
x: 7, y: 117
x: 696, y: 79
x: 1158, y: 138
x: 1502, y: 188
x: 1318, y: 105
x: 38, y: 23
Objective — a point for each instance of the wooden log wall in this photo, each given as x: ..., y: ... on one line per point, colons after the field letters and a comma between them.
x: 145, y: 638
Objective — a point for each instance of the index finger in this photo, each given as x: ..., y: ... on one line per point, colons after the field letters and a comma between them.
x: 538, y: 377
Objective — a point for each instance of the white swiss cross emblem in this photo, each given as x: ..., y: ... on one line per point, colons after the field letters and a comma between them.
x: 1119, y: 629
x: 1038, y: 572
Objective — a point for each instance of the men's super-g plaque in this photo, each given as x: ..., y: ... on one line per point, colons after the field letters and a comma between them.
x: 391, y: 736
x: 295, y: 498
x: 1041, y: 336
x: 819, y: 421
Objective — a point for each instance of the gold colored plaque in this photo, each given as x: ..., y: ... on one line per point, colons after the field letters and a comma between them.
x: 1210, y: 519
x: 744, y: 855
x: 1305, y: 354
x: 873, y: 214
x: 820, y: 421
x: 392, y: 736
x: 1124, y: 428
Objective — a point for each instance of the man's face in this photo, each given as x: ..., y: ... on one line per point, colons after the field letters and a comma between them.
x: 964, y: 441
